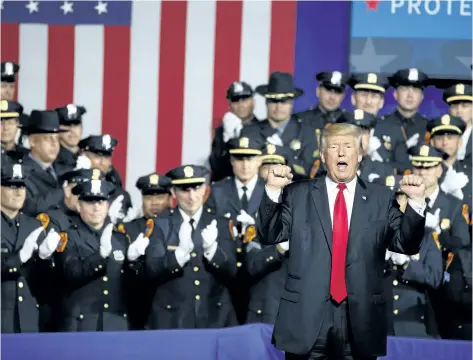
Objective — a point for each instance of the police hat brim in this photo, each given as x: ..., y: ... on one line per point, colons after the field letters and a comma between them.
x: 263, y: 91
x: 155, y: 191
x: 13, y: 182
x: 92, y: 198
x: 9, y: 78
x: 31, y: 130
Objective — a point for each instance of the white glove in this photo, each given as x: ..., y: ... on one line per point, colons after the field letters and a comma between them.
x: 132, y: 214
x: 106, y: 241
x: 209, y: 235
x: 275, y: 139
x: 245, y: 219
x: 30, y: 245
x: 186, y: 245
x: 388, y: 255
x: 284, y: 245
x: 49, y: 245
x: 399, y: 259
x: 373, y: 145
x: 374, y: 156
x: 138, y: 247
x: 232, y: 126
x: 412, y: 141
x: 83, y: 162
x: 454, y: 182
x: 432, y: 221
x: 372, y: 177
x: 115, y: 211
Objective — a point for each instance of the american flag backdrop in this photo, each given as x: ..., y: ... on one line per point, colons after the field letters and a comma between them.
x: 153, y: 74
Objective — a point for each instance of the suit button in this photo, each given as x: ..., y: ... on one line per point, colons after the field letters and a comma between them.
x: 197, y: 283
x: 395, y: 311
x: 193, y: 254
x: 20, y: 284
x: 259, y: 312
x: 197, y: 297
x: 81, y: 316
x: 20, y: 298
x: 105, y: 306
x: 396, y: 297
x: 105, y: 278
x: 395, y: 282
x: 105, y: 292
x: 195, y: 268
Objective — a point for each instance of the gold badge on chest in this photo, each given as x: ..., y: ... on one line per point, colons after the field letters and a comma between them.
x: 295, y: 145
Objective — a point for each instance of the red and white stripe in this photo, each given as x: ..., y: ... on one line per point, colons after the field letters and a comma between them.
x: 159, y: 86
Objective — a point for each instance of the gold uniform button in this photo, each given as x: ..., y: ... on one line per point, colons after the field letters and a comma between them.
x: 195, y: 268
x: 105, y: 306
x: 100, y: 266
x: 395, y: 311
x: 14, y: 269
x: 193, y: 254
x: 259, y: 312
x: 394, y: 267
x: 422, y: 317
x: 37, y: 305
x: 20, y: 298
x: 197, y: 297
x: 197, y: 282
x: 271, y: 258
x: 81, y: 316
x: 105, y: 278
x: 396, y: 297
x: 10, y: 270
x: 395, y: 282
x: 239, y: 264
x: 105, y: 292
x: 20, y: 284
x: 238, y: 250
x: 168, y: 306
x: 125, y: 315
x: 96, y: 269
x: 122, y: 271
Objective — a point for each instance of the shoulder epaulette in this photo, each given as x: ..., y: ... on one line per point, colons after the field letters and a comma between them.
x: 44, y: 219
x: 436, y: 239
x: 120, y: 228
x: 250, y: 234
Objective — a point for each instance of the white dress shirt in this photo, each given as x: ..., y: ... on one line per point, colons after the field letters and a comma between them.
x: 250, y: 187
x: 433, y: 196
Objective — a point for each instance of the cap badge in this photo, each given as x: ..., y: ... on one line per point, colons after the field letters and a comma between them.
x: 4, y: 105
x: 237, y: 87
x: 9, y: 68
x: 390, y: 181
x: 460, y: 89
x: 358, y: 114
x: 413, y: 75
x: 244, y: 142
x: 95, y: 187
x: 71, y: 111
x: 154, y: 179
x: 336, y: 78
x: 17, y: 173
x: 188, y: 172
x: 445, y: 119
x: 95, y: 174
x: 372, y: 78
x: 107, y: 141
x: 424, y: 150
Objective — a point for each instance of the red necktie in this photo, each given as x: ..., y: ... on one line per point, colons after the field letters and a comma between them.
x: 338, y: 288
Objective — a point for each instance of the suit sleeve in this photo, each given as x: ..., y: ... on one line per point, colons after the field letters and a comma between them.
x: 39, y: 203
x: 275, y: 219
x: 405, y: 231
x: 262, y: 261
x: 219, y: 158
x: 224, y: 262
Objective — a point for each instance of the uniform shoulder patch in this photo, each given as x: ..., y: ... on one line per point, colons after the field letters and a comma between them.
x: 299, y: 169
x: 250, y: 234
x: 230, y: 228
x: 208, y: 191
x: 149, y: 228
x: 121, y: 228
x: 407, y: 172
x: 315, y: 168
x: 449, y: 260
x: 435, y: 236
x: 44, y: 219
x: 465, y: 213
x: 427, y: 137
x: 61, y: 246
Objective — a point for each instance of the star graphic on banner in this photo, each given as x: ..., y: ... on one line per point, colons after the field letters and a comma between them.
x: 465, y: 60
x: 372, y: 5
x: 33, y: 6
x: 66, y: 7
x: 369, y: 60
x: 101, y: 7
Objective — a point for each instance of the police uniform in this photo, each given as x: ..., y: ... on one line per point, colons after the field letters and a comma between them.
x: 8, y: 70
x: 196, y: 294
x: 20, y: 280
x: 417, y: 124
x: 70, y: 115
x: 393, y: 150
x: 141, y: 289
x: 461, y: 93
x: 94, y: 285
x: 453, y: 125
x: 317, y: 117
x: 294, y: 134
x: 11, y: 110
x: 104, y: 145
x: 219, y: 158
x: 44, y: 191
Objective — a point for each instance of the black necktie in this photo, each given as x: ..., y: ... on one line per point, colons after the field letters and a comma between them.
x: 192, y: 222
x: 51, y: 172
x: 244, y: 199
x: 427, y: 202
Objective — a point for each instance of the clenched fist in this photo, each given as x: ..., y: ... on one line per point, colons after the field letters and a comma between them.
x: 279, y: 176
x: 413, y: 186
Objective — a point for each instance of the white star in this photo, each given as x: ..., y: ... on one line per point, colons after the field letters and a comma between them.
x: 368, y: 60
x: 465, y: 60
x: 67, y: 7
x: 33, y: 6
x: 101, y: 7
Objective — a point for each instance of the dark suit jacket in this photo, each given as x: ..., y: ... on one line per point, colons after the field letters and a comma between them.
x: 303, y: 218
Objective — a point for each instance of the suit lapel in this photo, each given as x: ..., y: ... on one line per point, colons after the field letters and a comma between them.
x: 360, y: 210
x: 176, y: 221
x: 468, y: 147
x: 320, y: 198
x: 256, y: 197
x: 291, y: 132
x: 205, y: 220
x: 233, y: 197
x: 40, y: 173
x: 23, y: 232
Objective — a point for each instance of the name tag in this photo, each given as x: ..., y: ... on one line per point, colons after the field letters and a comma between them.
x: 118, y: 255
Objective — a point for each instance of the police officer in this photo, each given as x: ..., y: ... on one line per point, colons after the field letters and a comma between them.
x: 10, y: 112
x: 412, y: 278
x: 283, y: 129
x: 21, y: 236
x: 388, y: 139
x: 70, y: 119
x: 409, y: 85
x: 8, y: 76
x: 446, y: 134
x: 92, y: 261
x: 459, y: 99
x: 44, y: 190
x: 330, y: 92
x: 241, y: 106
x: 99, y: 150
x: 193, y: 258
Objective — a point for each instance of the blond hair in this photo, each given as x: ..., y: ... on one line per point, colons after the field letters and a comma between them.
x: 341, y: 129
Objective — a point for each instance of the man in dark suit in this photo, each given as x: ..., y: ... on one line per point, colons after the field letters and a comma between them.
x: 333, y: 305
